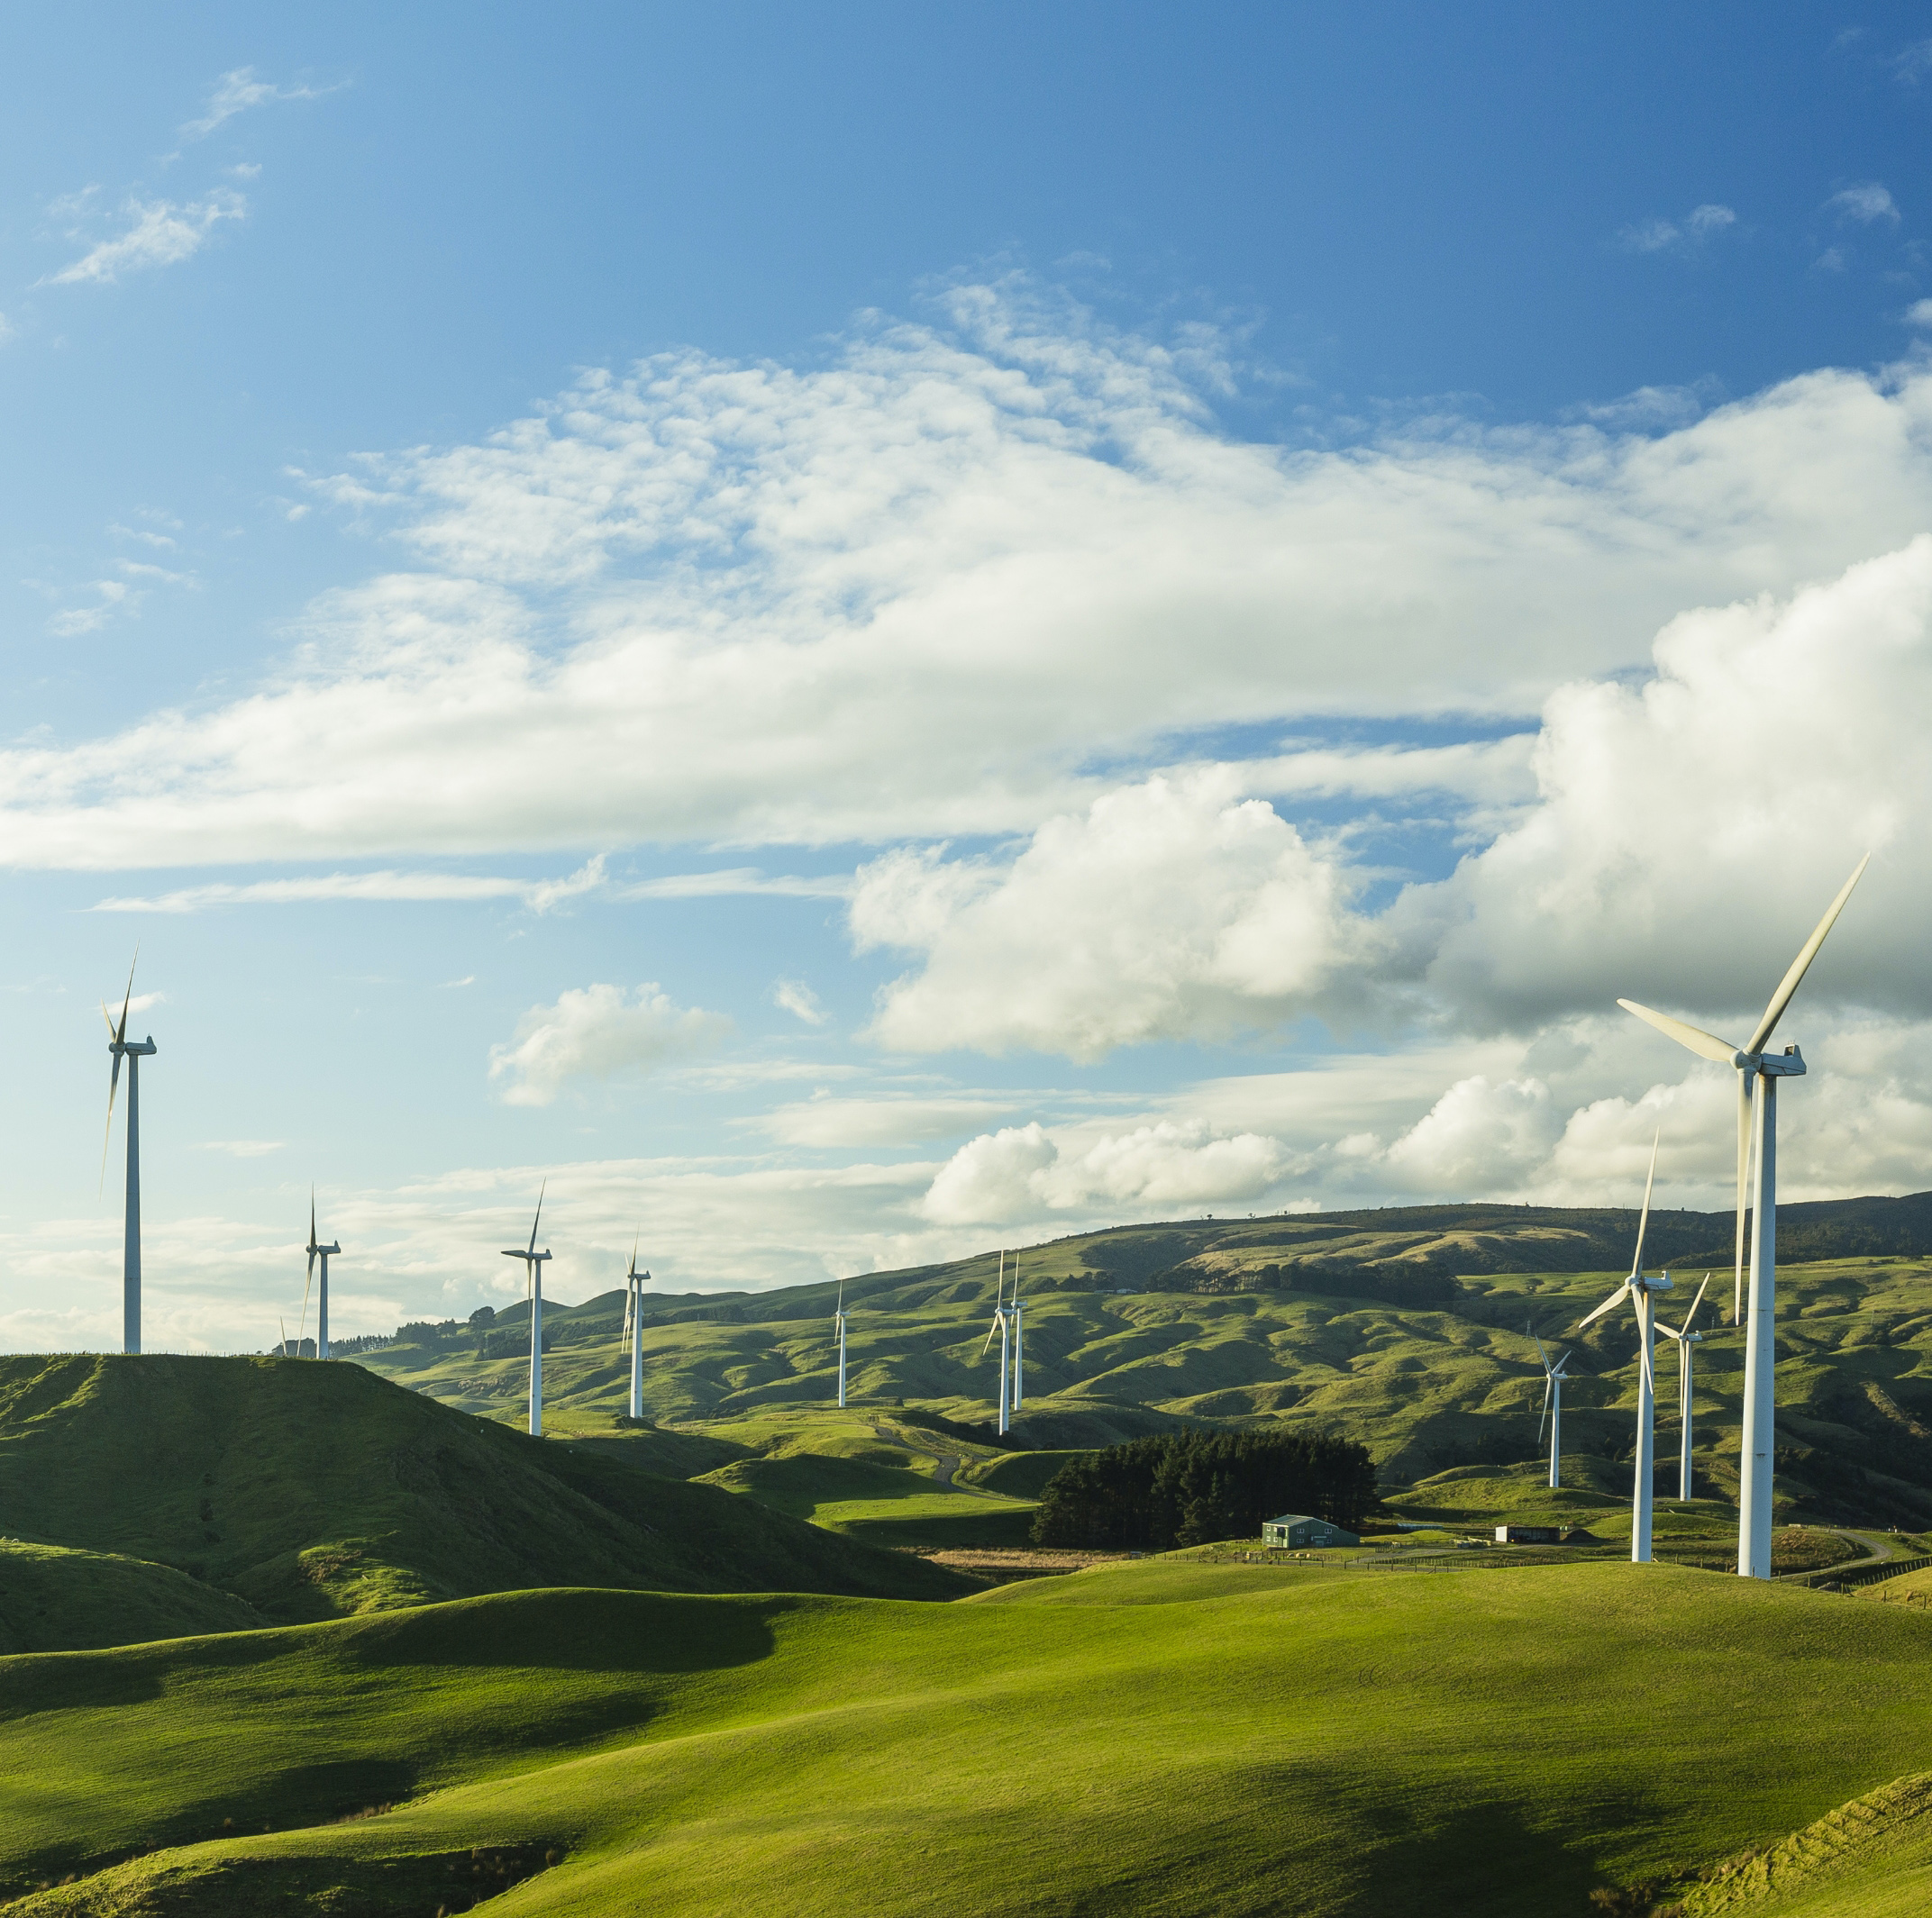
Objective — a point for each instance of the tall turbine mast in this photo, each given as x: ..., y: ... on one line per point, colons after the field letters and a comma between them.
x: 634, y: 1308
x: 533, y: 1280
x: 1758, y: 1073
x: 1685, y: 1339
x: 1019, y: 1337
x: 1638, y: 1289
x: 316, y: 1249
x: 1553, y: 1375
x: 838, y: 1321
x: 133, y: 1051
x: 1001, y: 1330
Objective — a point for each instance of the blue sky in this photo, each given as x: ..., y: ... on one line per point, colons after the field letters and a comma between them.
x: 861, y: 633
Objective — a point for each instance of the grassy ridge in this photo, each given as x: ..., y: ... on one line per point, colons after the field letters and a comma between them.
x: 1150, y: 1738
x: 305, y: 1491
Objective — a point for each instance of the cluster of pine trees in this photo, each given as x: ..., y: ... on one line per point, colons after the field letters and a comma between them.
x: 1193, y: 1487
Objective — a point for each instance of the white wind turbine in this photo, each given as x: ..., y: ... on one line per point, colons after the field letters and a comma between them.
x: 838, y: 1321
x: 1638, y: 1289
x: 1758, y: 1073
x: 533, y: 1279
x: 1019, y: 1340
x: 324, y: 1253
x: 1553, y: 1375
x: 634, y: 1308
x: 133, y: 1051
x: 1002, y: 1328
x: 1685, y: 1339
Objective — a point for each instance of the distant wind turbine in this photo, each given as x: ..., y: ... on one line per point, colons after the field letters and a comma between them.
x: 1553, y: 1375
x: 633, y: 1311
x: 1685, y: 1339
x: 1019, y: 1341
x: 133, y: 1051
x: 1638, y: 1289
x: 324, y: 1253
x: 1758, y: 1073
x: 1001, y: 1329
x: 533, y: 1280
x: 838, y: 1323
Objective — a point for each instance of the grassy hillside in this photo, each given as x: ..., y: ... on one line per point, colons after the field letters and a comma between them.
x: 1153, y: 1738
x: 308, y: 1491
x: 1427, y: 1387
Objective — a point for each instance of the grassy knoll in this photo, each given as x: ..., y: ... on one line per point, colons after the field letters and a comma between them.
x: 1409, y: 1335
x: 1154, y: 1736
x: 194, y: 1489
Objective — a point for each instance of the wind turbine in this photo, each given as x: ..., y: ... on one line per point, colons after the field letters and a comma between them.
x: 1685, y: 1339
x: 324, y: 1253
x: 1001, y: 1328
x: 533, y: 1279
x: 1637, y: 1289
x: 838, y: 1321
x: 1758, y: 1073
x: 634, y: 1310
x: 133, y: 1051
x: 1019, y: 1341
x: 1553, y: 1375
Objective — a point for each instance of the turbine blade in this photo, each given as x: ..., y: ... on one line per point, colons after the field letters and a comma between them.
x: 1547, y: 1388
x: 302, y: 1324
x: 311, y: 1225
x: 999, y: 1325
x: 1705, y: 1045
x: 1642, y: 1224
x: 1540, y: 1352
x: 127, y: 998
x: 109, y: 1017
x: 1788, y: 984
x: 1615, y: 1299
x: 538, y: 1220
x: 1695, y: 1303
x: 1745, y: 1083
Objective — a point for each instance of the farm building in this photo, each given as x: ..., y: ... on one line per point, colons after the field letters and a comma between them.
x: 1297, y: 1530
x: 1530, y: 1534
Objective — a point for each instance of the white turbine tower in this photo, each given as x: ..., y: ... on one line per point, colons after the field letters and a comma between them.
x: 1019, y: 1340
x: 1553, y: 1375
x: 634, y: 1308
x: 1002, y: 1329
x: 533, y: 1279
x: 838, y: 1323
x: 324, y: 1253
x: 1758, y: 1073
x: 1638, y: 1289
x: 133, y: 1051
x: 1685, y: 1339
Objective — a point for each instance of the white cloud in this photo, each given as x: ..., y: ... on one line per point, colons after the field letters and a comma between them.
x: 593, y: 1032
x: 1865, y: 203
x: 796, y: 997
x: 538, y: 895
x: 1919, y: 314
x: 926, y: 589
x: 823, y: 1121
x: 1175, y: 909
x: 243, y: 1148
x: 1658, y: 235
x: 162, y: 234
x: 1914, y: 63
x: 1021, y: 1173
x: 234, y: 93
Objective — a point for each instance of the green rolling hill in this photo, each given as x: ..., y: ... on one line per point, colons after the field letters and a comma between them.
x: 1404, y: 1329
x: 196, y: 1494
x: 1160, y: 1738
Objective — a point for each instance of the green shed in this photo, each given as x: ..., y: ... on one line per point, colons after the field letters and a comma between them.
x: 1296, y: 1531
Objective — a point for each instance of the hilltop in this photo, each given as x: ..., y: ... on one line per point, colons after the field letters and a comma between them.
x: 213, y: 1494
x: 1194, y: 1741
x: 1408, y: 1330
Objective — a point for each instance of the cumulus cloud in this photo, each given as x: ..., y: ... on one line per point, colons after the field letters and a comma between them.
x: 926, y: 588
x: 1658, y: 235
x: 1020, y: 1172
x: 593, y: 1032
x: 160, y: 234
x: 1173, y: 909
x: 1864, y: 204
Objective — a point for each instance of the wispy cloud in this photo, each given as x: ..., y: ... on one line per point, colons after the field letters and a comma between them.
x: 419, y: 887
x: 236, y: 91
x: 162, y: 233
x: 1919, y: 314
x: 737, y: 879
x: 241, y: 1147
x: 594, y: 1032
x: 1914, y: 63
x: 1658, y: 235
x: 78, y: 620
x: 795, y: 996
x: 1865, y: 202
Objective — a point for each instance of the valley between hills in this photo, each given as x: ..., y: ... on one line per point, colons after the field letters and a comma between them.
x: 337, y: 1639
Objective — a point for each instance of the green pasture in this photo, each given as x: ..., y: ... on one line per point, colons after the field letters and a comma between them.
x: 1153, y: 1737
